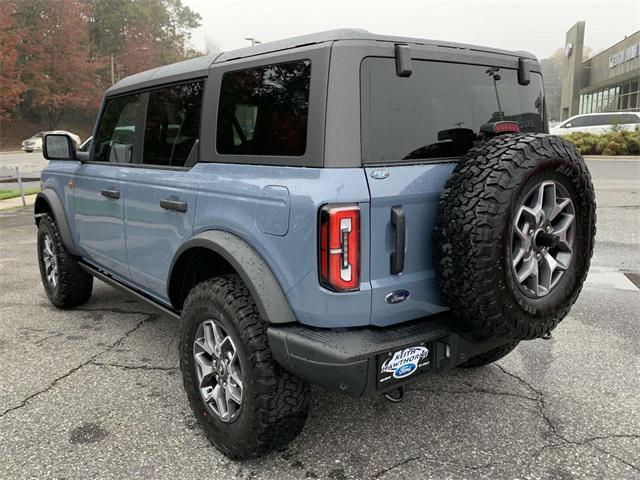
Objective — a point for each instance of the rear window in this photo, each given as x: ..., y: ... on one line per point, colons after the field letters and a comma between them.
x: 264, y: 110
x: 437, y: 112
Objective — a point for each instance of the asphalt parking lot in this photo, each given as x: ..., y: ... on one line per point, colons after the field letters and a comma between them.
x: 96, y: 392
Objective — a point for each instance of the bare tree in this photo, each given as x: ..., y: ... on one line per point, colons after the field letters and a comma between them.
x: 211, y: 46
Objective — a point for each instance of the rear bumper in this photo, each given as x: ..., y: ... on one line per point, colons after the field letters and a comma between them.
x: 348, y: 360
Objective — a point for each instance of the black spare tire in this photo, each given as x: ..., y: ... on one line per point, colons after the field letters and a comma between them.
x: 516, y: 226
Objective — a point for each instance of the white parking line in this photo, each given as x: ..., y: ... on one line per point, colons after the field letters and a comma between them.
x: 613, y: 279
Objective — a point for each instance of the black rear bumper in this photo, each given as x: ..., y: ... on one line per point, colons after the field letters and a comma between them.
x: 348, y: 360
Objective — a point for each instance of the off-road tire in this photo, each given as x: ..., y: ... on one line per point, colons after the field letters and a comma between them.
x: 74, y: 285
x: 472, y: 239
x: 489, y: 357
x: 275, y: 403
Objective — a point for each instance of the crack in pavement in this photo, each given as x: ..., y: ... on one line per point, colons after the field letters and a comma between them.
x: 114, y: 310
x: 538, y: 398
x: 135, y: 367
x: 384, y: 471
x: 473, y: 389
x: 78, y: 367
x: 565, y: 442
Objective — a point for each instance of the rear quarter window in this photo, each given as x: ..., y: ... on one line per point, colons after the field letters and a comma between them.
x: 437, y: 112
x: 264, y: 110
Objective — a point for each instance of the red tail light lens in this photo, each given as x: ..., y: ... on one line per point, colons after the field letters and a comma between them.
x: 340, y: 247
x: 503, y: 127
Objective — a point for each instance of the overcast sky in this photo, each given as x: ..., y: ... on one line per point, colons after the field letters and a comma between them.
x: 538, y: 26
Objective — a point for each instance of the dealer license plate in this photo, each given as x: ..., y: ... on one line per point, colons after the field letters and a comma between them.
x: 405, y: 363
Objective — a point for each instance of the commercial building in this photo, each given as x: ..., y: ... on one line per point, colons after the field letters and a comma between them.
x: 606, y: 82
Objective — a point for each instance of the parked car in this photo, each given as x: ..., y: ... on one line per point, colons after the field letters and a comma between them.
x: 598, y: 123
x: 344, y: 209
x: 34, y: 143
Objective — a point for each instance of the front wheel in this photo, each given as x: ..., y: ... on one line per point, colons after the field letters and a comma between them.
x: 245, y: 403
x: 65, y: 283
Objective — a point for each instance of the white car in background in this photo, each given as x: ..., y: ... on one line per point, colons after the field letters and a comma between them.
x: 35, y: 143
x: 597, y: 123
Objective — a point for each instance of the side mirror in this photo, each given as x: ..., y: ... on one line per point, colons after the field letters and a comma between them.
x: 58, y: 146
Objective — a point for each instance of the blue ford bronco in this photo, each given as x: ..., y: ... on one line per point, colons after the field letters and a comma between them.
x: 343, y: 209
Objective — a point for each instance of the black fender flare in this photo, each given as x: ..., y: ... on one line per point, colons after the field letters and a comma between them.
x: 50, y: 196
x: 265, y: 288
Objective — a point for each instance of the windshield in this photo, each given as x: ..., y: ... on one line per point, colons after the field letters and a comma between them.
x: 439, y: 110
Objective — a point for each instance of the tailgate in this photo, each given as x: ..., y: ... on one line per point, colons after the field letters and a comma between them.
x: 414, y: 191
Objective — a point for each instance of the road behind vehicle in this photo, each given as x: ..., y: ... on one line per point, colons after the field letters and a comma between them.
x: 344, y: 209
x: 598, y: 123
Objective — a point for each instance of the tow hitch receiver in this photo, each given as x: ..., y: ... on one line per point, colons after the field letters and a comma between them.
x: 394, y: 396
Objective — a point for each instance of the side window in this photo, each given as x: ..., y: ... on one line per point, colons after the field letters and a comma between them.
x: 114, y: 138
x: 579, y: 122
x: 602, y: 120
x: 172, y: 125
x: 622, y: 118
x: 264, y: 110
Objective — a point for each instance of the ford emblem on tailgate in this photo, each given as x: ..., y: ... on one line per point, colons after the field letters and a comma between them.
x: 396, y: 296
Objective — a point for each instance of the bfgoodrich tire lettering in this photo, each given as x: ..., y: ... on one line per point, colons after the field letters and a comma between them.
x: 475, y: 226
x: 274, y: 403
x: 70, y: 286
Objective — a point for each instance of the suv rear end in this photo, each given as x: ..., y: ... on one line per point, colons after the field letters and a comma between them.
x: 403, y: 131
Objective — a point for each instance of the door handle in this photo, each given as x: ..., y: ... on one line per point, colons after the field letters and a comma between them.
x: 173, y: 204
x: 110, y: 193
x: 397, y: 257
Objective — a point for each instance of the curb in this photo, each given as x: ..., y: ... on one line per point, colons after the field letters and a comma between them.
x: 16, y: 202
x: 621, y: 158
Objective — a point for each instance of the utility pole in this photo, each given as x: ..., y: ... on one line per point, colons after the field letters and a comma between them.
x: 113, y: 70
x: 112, y: 59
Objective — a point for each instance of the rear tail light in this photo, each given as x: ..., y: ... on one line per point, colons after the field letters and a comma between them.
x: 340, y: 247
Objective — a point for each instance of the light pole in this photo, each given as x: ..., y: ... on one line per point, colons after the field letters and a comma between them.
x: 253, y: 40
x: 112, y: 57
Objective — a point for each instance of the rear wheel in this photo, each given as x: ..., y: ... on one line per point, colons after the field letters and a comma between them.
x: 515, y: 235
x: 245, y: 403
x: 65, y: 283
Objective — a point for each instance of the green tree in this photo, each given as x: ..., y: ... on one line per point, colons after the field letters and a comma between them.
x: 154, y: 32
x: 11, y: 85
x: 55, y: 65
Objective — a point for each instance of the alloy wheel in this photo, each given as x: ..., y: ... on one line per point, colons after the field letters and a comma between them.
x: 218, y: 369
x: 50, y: 261
x: 542, y: 239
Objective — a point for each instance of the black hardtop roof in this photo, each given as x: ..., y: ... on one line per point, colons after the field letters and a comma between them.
x: 198, y: 67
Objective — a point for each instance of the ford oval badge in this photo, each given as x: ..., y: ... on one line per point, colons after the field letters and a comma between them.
x: 379, y: 173
x: 397, y: 296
